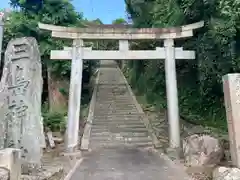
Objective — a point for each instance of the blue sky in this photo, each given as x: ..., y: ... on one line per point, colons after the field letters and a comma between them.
x: 106, y: 10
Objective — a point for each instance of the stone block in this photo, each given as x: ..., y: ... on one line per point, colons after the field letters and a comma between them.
x: 202, y: 150
x: 226, y: 173
x: 46, y: 173
x: 11, y: 159
x: 231, y: 87
x: 4, y: 174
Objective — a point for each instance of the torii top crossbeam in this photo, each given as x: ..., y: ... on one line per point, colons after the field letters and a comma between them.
x: 124, y: 33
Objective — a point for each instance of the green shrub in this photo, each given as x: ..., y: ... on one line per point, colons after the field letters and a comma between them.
x: 55, y: 121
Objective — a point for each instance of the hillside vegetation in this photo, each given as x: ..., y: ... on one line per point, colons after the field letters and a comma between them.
x: 217, y: 53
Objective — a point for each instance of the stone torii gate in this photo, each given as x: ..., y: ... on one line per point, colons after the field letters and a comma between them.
x: 78, y: 53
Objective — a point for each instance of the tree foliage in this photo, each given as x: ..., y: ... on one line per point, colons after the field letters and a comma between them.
x: 23, y: 21
x: 216, y: 46
x: 119, y: 21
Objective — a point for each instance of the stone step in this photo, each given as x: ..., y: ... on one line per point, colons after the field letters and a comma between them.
x: 101, y: 113
x: 111, y: 93
x: 114, y: 102
x: 104, y: 90
x: 95, y: 144
x: 111, y: 98
x: 122, y: 115
x: 109, y: 109
x: 116, y: 116
x: 114, y: 82
x: 112, y: 87
x: 116, y: 124
x: 117, y: 85
x: 117, y: 137
x: 124, y: 134
x: 113, y: 120
x: 115, y: 105
x: 121, y: 109
x: 117, y: 95
x: 120, y: 139
x: 124, y: 119
x: 121, y: 125
x: 113, y: 90
x: 129, y: 120
x: 102, y: 99
x: 118, y: 130
x: 115, y: 112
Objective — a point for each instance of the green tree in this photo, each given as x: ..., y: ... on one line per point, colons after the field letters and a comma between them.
x: 119, y: 21
x: 24, y: 22
x: 216, y: 46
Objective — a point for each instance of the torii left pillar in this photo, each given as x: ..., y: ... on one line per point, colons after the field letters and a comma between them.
x: 74, y: 103
x: 172, y: 95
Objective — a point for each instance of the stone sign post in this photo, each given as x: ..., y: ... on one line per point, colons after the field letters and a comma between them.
x: 21, y: 84
x: 231, y: 87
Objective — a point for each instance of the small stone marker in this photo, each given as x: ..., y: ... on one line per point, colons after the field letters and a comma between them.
x: 11, y: 159
x: 231, y: 87
x: 42, y: 137
x: 50, y: 139
x: 4, y: 174
x: 3, y: 109
x: 22, y: 83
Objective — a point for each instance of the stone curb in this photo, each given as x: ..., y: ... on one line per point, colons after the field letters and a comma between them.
x: 87, y: 129
x: 175, y: 165
x: 73, y: 170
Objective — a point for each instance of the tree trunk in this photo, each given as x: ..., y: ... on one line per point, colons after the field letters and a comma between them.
x: 57, y: 100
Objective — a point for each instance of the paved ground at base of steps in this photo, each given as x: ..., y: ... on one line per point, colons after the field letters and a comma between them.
x: 127, y: 164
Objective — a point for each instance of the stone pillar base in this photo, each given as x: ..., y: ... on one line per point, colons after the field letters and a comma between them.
x: 174, y: 153
x: 30, y: 168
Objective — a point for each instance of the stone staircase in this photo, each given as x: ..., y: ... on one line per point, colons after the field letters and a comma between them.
x: 116, y: 119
